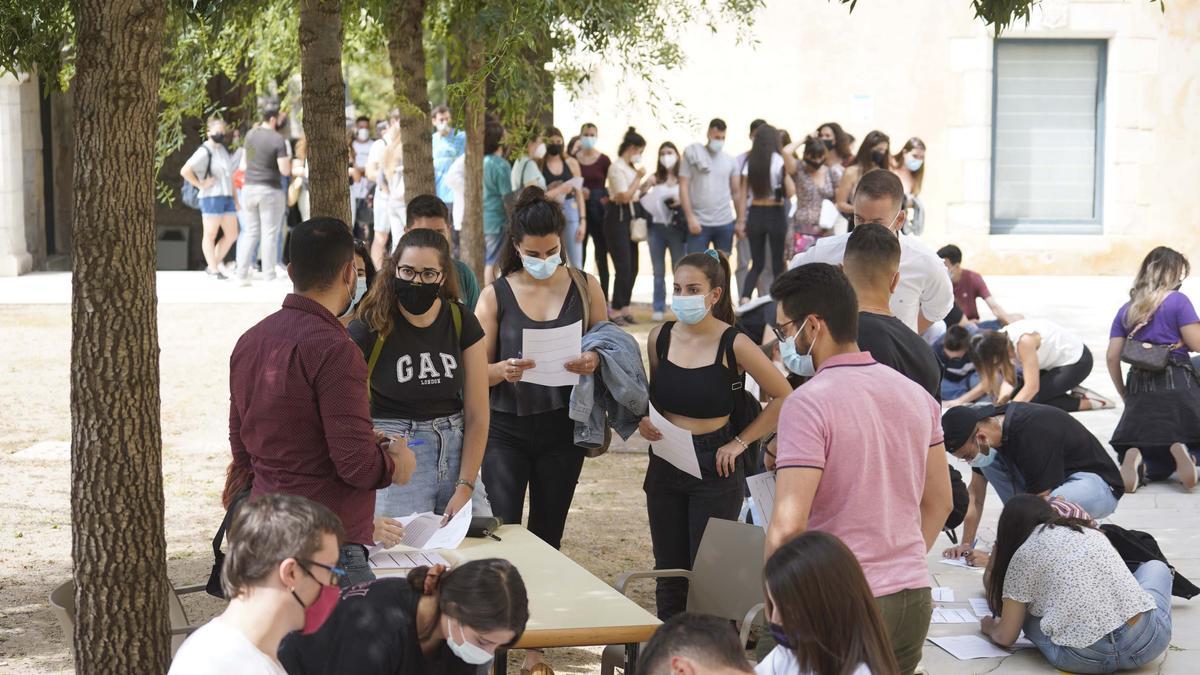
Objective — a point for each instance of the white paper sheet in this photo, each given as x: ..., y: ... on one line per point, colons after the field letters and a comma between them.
x: 966, y: 647
x: 943, y: 594
x: 676, y: 445
x: 406, y: 560
x: 425, y: 531
x: 576, y: 182
x: 980, y: 607
x: 762, y: 490
x: 550, y: 348
x: 959, y: 562
x: 952, y: 615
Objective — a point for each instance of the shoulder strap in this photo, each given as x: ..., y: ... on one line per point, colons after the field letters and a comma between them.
x: 727, y: 340
x: 208, y: 167
x: 579, y: 280
x: 456, y: 316
x: 663, y: 344
x: 237, y: 500
x: 375, y: 352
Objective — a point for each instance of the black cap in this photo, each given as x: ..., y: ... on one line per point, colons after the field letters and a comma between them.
x: 959, y: 423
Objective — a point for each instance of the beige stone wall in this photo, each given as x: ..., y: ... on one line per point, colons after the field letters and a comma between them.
x: 925, y: 69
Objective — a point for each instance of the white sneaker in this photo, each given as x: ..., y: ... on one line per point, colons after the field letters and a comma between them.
x: 657, y: 316
x: 244, y: 281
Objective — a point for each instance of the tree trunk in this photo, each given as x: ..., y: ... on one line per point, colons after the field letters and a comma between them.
x: 406, y: 51
x: 117, y: 541
x: 323, y: 93
x: 471, y: 246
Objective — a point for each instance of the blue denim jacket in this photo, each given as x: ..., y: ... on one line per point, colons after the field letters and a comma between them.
x: 617, y: 394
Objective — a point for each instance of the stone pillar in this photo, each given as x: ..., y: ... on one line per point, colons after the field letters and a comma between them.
x: 14, y: 257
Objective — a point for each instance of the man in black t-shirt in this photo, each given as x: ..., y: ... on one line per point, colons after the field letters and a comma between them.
x: 1031, y: 448
x: 872, y: 263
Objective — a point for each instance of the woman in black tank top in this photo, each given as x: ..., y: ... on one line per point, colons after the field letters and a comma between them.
x: 692, y: 386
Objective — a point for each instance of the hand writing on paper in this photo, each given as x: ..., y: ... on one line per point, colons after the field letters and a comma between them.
x: 514, y: 369
x: 977, y: 558
x: 584, y: 365
x: 959, y: 551
x: 649, y: 431
x: 388, y: 532
x: 727, y: 457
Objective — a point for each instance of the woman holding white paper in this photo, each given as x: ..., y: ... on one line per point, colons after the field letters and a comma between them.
x: 427, y: 371
x: 564, y: 184
x: 691, y: 385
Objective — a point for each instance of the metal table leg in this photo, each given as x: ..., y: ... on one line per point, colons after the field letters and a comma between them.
x: 631, y: 658
x: 500, y: 662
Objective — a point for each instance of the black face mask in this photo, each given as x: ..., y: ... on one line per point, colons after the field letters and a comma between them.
x: 828, y: 143
x: 217, y: 138
x: 554, y: 148
x: 415, y: 298
x: 880, y: 159
x: 814, y: 164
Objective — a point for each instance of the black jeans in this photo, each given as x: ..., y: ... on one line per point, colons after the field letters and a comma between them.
x: 623, y: 251
x: 537, y: 452
x: 763, y: 223
x: 1054, y: 384
x: 595, y: 232
x: 679, y: 506
x: 354, y: 561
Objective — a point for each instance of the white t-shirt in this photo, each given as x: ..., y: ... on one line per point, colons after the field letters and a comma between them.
x: 1058, y: 348
x: 457, y: 182
x: 362, y: 150
x: 525, y: 172
x: 621, y: 176
x: 776, y: 176
x: 217, y: 648
x: 924, y: 286
x: 220, y: 168
x: 783, y: 662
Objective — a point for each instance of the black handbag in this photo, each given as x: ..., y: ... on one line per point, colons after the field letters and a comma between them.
x: 213, y: 587
x: 746, y: 407
x: 484, y: 526
x: 1146, y: 355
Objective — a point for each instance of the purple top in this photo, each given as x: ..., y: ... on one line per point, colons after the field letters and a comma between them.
x: 1164, y: 327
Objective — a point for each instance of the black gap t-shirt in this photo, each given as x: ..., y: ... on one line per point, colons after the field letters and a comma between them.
x: 895, y: 345
x: 372, y: 631
x: 419, y: 374
x: 1047, y: 444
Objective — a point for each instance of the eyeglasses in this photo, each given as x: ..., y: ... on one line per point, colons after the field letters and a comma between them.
x: 779, y: 333
x: 337, y: 572
x: 429, y: 275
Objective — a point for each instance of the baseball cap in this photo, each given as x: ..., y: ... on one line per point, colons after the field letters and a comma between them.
x: 959, y: 423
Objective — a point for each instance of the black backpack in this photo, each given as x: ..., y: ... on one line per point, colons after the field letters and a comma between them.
x: 190, y: 194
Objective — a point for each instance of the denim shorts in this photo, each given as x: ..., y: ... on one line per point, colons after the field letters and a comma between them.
x: 438, y: 445
x: 216, y: 206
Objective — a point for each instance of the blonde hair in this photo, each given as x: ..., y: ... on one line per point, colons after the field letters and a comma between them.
x: 1163, y: 270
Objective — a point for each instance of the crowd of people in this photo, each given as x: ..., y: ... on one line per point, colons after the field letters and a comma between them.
x: 393, y: 382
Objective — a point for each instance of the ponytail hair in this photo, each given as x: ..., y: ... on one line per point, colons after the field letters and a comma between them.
x: 715, y: 267
x: 632, y: 139
x: 534, y: 215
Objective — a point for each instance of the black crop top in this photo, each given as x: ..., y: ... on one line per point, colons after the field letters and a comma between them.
x: 699, y: 393
x: 552, y: 178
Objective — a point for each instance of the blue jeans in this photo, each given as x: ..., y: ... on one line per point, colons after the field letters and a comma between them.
x: 662, y: 238
x: 1085, y: 489
x: 1125, y: 648
x: 353, y: 559
x: 720, y: 236
x: 491, y: 247
x: 952, y: 390
x: 439, y: 457
x: 573, y: 248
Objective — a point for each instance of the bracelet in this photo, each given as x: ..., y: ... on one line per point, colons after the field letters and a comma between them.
x: 744, y: 444
x: 470, y: 485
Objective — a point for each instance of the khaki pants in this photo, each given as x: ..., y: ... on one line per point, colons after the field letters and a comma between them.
x: 906, y: 618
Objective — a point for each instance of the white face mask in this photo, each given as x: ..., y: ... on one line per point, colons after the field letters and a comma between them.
x: 636, y: 159
x: 668, y: 161
x: 716, y: 144
x: 464, y: 649
x: 540, y: 151
x: 363, y: 134
x: 442, y: 127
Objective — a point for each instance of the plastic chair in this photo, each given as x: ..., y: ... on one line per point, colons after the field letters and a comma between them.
x: 62, y: 605
x: 725, y: 581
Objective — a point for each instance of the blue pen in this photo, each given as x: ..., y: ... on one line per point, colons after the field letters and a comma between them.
x: 415, y: 442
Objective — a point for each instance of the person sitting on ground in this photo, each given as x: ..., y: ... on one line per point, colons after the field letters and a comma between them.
x: 872, y: 264
x: 969, y: 288
x: 1063, y: 583
x: 922, y: 296
x: 364, y: 268
x: 1029, y: 448
x: 694, y: 644
x: 299, y: 421
x: 280, y: 574
x: 856, y: 423
x: 449, y: 622
x: 426, y: 212
x: 1034, y: 361
x: 821, y: 612
x: 1161, y: 420
x: 953, y: 354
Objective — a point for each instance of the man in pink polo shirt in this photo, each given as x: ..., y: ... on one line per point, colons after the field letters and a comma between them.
x: 859, y: 454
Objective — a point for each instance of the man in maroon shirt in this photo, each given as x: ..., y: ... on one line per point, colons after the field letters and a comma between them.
x: 969, y: 288
x: 298, y: 412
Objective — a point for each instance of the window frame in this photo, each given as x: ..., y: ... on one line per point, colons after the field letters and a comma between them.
x: 1072, y: 226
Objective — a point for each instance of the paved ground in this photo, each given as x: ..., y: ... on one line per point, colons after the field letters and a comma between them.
x: 1083, y: 304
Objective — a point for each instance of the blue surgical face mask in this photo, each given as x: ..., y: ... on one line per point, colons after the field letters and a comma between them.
x: 800, y: 364
x: 541, y: 268
x: 587, y: 142
x: 913, y: 164
x: 716, y: 144
x: 690, y: 309
x: 359, y: 291
x: 981, y: 460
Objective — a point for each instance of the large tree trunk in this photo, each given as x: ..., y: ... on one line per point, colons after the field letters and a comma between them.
x: 473, y: 121
x: 117, y: 542
x: 406, y: 51
x: 323, y: 93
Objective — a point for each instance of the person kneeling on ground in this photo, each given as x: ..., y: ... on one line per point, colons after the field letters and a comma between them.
x: 1029, y: 448
x: 694, y: 644
x: 953, y: 352
x: 821, y: 612
x: 280, y: 575
x: 433, y: 621
x: 1061, y: 581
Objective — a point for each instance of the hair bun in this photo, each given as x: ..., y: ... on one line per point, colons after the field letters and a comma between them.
x: 529, y: 196
x: 631, y: 131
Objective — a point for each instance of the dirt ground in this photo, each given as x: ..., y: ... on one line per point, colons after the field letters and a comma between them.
x: 607, y: 531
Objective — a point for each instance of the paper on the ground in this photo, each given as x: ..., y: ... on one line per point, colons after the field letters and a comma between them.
x: 943, y: 594
x: 550, y: 348
x: 676, y: 445
x: 425, y: 531
x: 762, y: 490
x: 980, y: 607
x: 401, y: 560
x: 959, y: 562
x: 965, y: 647
x: 952, y: 615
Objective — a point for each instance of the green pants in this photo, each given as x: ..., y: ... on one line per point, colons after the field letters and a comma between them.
x: 906, y: 618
